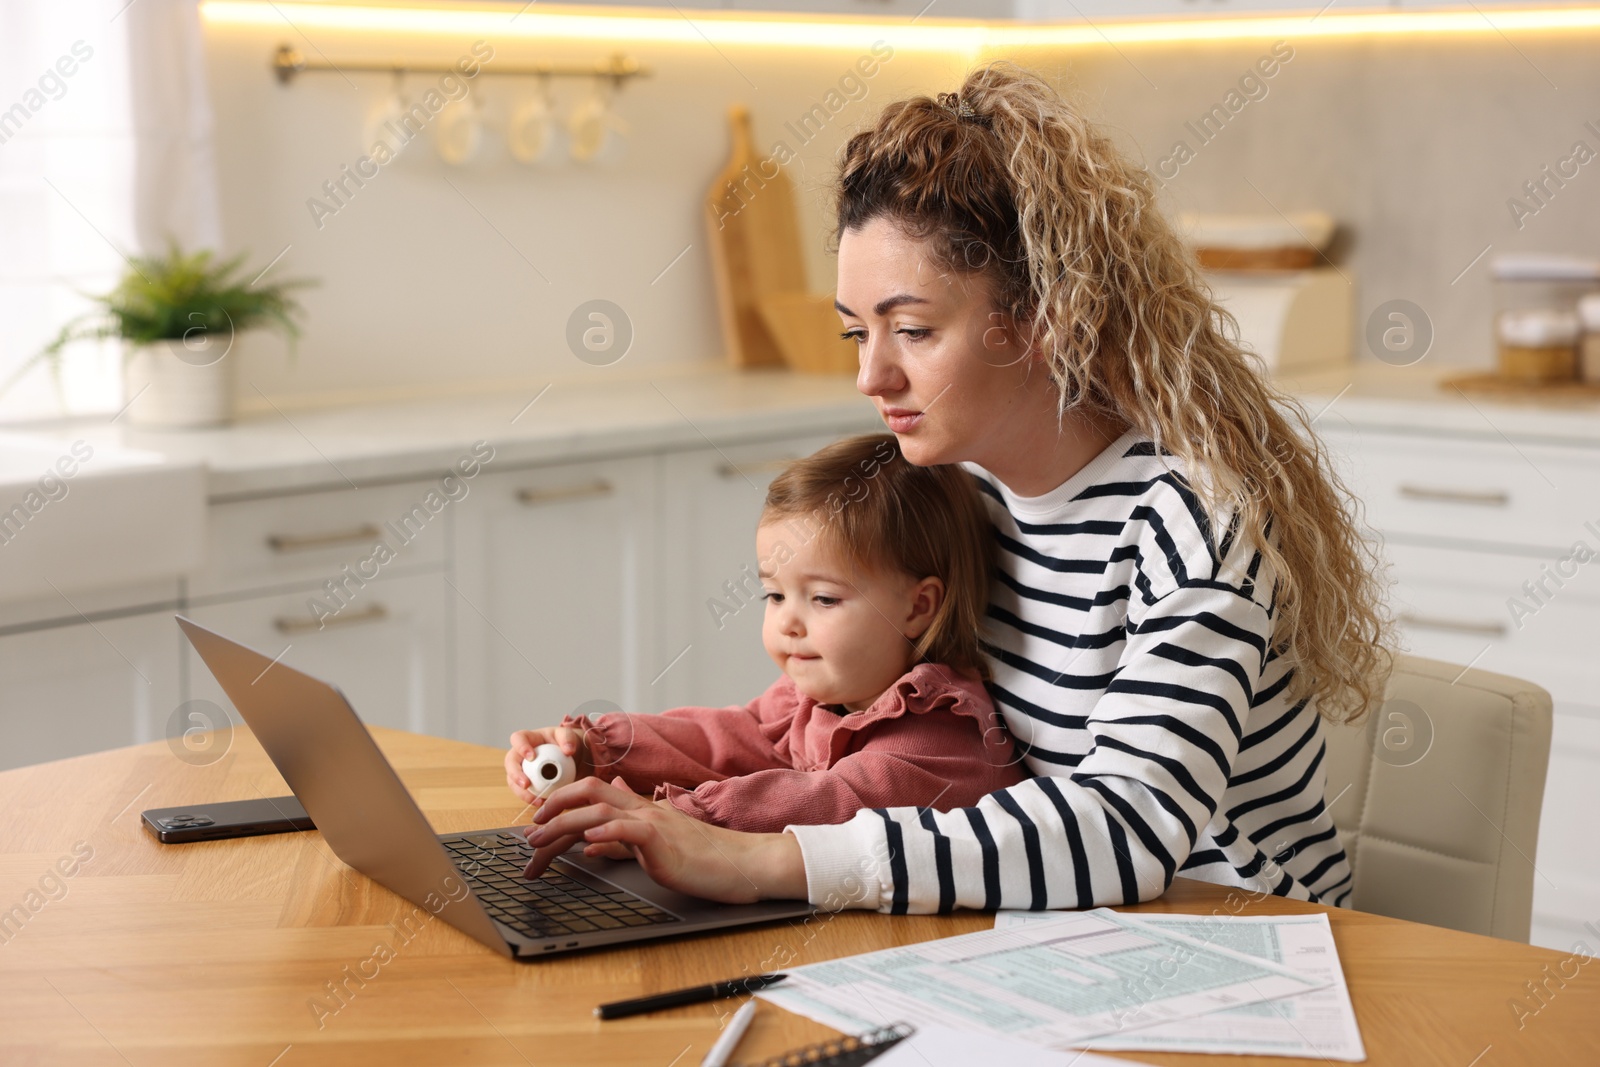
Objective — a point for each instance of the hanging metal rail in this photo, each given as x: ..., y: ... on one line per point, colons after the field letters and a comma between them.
x: 287, y: 62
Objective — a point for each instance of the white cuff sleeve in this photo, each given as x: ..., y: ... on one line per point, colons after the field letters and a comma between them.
x: 847, y: 865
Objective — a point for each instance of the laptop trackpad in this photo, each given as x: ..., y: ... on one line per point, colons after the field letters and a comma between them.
x: 628, y: 875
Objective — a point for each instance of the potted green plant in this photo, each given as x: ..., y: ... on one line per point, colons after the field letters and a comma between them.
x: 181, y: 317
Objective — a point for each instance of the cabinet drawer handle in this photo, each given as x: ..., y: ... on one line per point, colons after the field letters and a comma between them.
x: 1489, y: 498
x: 286, y: 625
x: 733, y: 470
x: 1455, y: 626
x: 600, y: 487
x: 301, y: 542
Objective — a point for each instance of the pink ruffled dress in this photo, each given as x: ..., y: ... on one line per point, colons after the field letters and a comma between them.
x: 932, y: 739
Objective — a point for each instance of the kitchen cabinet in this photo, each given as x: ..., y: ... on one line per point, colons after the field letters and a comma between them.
x: 290, y: 540
x: 504, y: 600
x: 89, y: 685
x: 387, y: 648
x: 709, y: 605
x: 1482, y: 539
x: 1475, y: 532
x: 552, y: 593
x: 345, y: 584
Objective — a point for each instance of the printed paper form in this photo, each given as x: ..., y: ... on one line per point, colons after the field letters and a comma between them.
x: 1319, y: 1024
x: 1054, y: 982
x: 940, y: 1046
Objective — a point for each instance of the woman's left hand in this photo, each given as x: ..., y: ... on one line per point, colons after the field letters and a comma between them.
x: 674, y: 849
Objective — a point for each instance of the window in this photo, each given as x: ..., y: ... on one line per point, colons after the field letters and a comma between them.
x: 68, y: 186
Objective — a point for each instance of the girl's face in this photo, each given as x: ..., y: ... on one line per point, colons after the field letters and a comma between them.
x: 946, y: 372
x: 843, y: 634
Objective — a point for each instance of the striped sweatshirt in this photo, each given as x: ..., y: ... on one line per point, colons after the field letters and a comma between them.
x: 1130, y: 638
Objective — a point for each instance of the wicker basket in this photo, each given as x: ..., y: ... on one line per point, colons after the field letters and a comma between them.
x: 1538, y: 363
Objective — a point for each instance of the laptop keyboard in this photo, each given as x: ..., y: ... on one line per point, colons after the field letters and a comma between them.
x: 552, y: 905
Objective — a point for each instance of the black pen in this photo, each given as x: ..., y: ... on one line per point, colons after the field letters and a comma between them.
x: 679, y: 997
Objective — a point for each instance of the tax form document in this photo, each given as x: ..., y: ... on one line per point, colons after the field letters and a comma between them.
x: 1055, y: 982
x: 1318, y: 1024
x: 940, y: 1046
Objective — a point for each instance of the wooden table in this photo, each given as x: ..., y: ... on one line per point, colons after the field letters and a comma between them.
x: 220, y: 952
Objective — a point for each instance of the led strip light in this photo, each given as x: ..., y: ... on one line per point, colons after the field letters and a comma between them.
x: 633, y: 24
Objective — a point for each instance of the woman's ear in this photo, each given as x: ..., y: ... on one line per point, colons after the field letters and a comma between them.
x: 926, y: 596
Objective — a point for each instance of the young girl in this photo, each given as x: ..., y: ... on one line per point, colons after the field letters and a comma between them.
x: 875, y: 573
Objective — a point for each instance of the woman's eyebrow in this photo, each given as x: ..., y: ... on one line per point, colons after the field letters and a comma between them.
x: 887, y: 304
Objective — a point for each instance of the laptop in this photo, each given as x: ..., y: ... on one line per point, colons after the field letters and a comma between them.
x: 473, y: 881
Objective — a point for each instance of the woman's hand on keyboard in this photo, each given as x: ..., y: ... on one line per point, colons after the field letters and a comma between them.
x: 676, y: 850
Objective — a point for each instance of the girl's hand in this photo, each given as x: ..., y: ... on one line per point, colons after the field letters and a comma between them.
x: 677, y: 851
x: 523, y: 743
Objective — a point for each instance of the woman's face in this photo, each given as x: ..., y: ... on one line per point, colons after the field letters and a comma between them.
x: 944, y: 368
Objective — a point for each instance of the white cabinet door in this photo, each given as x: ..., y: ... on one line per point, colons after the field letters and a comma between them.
x: 710, y: 605
x: 1478, y: 540
x: 1471, y: 607
x: 345, y: 537
x: 552, y: 596
x: 1566, y: 887
x: 388, y: 650
x: 68, y: 690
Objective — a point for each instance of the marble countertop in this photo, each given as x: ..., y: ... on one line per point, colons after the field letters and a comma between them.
x: 1418, y: 400
x: 282, y: 447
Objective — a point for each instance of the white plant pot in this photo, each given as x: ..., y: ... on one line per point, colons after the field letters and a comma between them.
x: 183, y: 384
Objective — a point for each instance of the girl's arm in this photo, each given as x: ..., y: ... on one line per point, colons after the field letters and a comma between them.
x: 683, y: 747
x: 935, y: 759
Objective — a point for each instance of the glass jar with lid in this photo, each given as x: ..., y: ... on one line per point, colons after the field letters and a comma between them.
x: 1589, y: 346
x: 1536, y: 322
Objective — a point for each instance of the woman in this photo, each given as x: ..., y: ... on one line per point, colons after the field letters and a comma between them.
x: 1182, y: 592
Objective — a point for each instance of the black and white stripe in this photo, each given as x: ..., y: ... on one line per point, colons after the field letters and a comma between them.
x: 1132, y: 657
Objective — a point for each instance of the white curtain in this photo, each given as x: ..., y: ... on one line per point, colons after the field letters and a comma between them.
x: 175, y: 175
x: 105, y: 149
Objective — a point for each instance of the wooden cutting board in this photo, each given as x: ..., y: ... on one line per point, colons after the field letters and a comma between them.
x: 755, y: 245
x: 1492, y: 384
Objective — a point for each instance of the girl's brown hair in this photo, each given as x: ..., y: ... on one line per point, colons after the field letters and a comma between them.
x: 1009, y: 182
x: 873, y: 508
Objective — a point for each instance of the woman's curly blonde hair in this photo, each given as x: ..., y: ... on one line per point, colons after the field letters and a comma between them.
x: 1007, y: 180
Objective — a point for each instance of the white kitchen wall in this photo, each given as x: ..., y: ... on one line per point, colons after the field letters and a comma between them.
x: 1416, y: 144
x: 436, y: 276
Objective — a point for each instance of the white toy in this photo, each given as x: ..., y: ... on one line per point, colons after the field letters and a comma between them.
x: 549, y: 770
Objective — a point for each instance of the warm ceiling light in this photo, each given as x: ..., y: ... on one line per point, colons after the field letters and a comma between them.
x: 544, y: 22
x: 718, y: 27
x: 1296, y: 27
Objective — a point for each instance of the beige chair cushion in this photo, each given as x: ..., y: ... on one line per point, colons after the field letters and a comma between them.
x: 1436, y: 795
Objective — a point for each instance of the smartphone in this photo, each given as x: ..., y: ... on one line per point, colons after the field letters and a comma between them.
x: 232, y: 818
